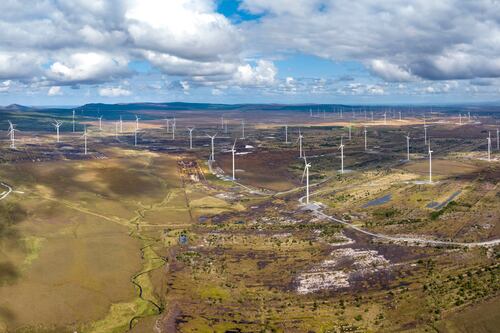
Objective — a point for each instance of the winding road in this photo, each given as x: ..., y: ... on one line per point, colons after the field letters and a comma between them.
x: 316, y: 209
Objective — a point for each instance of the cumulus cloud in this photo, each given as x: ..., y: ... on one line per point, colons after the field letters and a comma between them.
x: 54, y: 91
x: 114, y: 92
x: 263, y: 73
x: 436, y: 40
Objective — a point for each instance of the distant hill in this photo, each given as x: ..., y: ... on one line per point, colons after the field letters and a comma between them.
x: 16, y: 107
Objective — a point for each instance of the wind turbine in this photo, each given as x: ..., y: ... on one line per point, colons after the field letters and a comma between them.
x: 365, y: 131
x: 73, y: 121
x: 460, y: 118
x: 286, y: 133
x: 174, y: 125
x: 137, y: 122
x: 100, y: 123
x: 57, y: 124
x: 168, y: 125
x: 306, y: 174
x: 222, y: 122
x: 233, y: 151
x: 12, y: 134
x: 408, y: 147
x: 400, y: 119
x: 385, y: 118
x: 498, y: 140
x: 85, y: 138
x: 430, y: 163
x: 121, y: 124
x: 212, y: 138
x: 116, y: 129
x: 299, y: 140
x: 489, y: 146
x: 190, y: 129
x: 372, y: 114
x: 341, y: 148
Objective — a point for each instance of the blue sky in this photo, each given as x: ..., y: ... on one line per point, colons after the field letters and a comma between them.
x: 318, y: 51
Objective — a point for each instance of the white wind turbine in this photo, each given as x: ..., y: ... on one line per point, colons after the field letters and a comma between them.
x: 190, y: 129
x: 84, y: 136
x: 489, y: 146
x: 100, y: 123
x: 306, y: 174
x: 168, y: 124
x: 350, y: 130
x: 222, y: 122
x: 430, y: 162
x: 12, y: 134
x: 174, y: 125
x: 365, y: 131
x: 121, y: 124
x: 371, y: 114
x: 341, y: 148
x: 498, y: 139
x: 408, y: 147
x: 212, y: 155
x: 460, y: 118
x: 137, y: 122
x: 385, y: 118
x: 299, y: 140
x: 57, y: 124
x: 400, y: 118
x: 286, y: 134
x: 233, y: 151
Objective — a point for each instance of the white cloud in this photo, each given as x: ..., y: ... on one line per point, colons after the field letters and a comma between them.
x: 434, y: 40
x: 88, y: 67
x: 390, y: 72
x: 54, y: 91
x: 262, y: 74
x: 114, y: 92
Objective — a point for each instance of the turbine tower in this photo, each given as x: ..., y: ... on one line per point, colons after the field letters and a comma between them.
x: 286, y: 133
x: 385, y: 118
x: 341, y: 148
x: 350, y: 130
x: 168, y: 125
x: 233, y: 151
x: 116, y: 129
x: 489, y: 146
x: 135, y: 137
x: 121, y: 124
x: 306, y: 174
x: 408, y: 147
x: 73, y: 121
x: 12, y: 134
x: 498, y: 140
x: 430, y: 163
x: 57, y: 124
x: 365, y: 131
x: 174, y: 125
x: 212, y: 155
x: 100, y: 123
x: 84, y: 136
x: 190, y: 129
x: 299, y: 140
x: 425, y: 132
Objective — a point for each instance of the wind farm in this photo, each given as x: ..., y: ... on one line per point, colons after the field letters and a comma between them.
x: 292, y: 187
x: 249, y: 166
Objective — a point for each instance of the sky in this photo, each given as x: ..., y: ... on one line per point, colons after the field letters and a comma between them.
x: 72, y: 52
